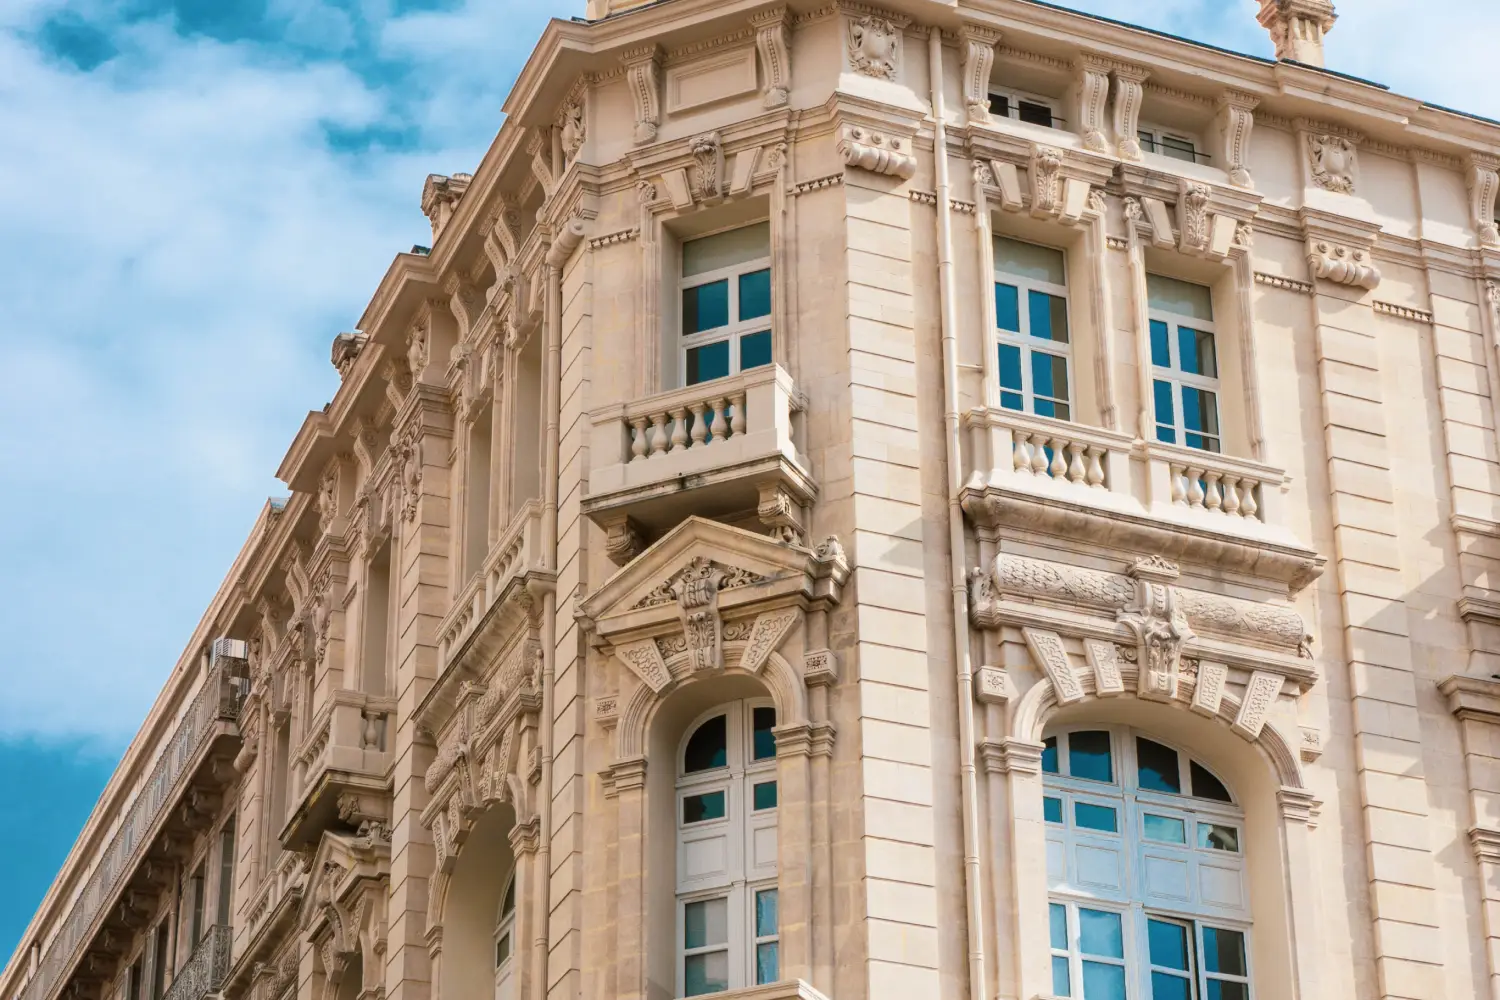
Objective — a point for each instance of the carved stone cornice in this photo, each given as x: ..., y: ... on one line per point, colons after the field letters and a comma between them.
x: 1473, y: 698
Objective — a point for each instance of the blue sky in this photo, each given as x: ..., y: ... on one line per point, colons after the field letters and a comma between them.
x: 195, y: 196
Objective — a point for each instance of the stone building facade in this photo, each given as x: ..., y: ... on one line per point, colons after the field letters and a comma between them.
x: 753, y: 551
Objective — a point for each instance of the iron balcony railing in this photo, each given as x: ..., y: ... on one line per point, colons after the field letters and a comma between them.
x: 218, y: 700
x: 207, y: 969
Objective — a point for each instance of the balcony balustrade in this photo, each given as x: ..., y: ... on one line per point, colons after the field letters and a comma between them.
x: 716, y: 448
x: 205, y: 971
x: 1087, y: 482
x: 517, y: 553
x: 190, y: 769
x: 346, y: 752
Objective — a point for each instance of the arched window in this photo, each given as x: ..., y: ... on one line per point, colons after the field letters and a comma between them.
x: 1145, y: 869
x: 727, y: 932
x: 505, y: 943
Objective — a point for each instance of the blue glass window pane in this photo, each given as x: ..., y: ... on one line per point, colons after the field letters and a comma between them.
x: 1218, y: 989
x: 1200, y: 415
x: 765, y: 795
x: 1087, y: 816
x: 1165, y: 829
x: 1156, y: 767
x: 1012, y: 401
x: 1010, y: 367
x: 1223, y: 951
x: 1196, y: 350
x: 1007, y: 307
x: 763, y: 720
x: 705, y: 923
x: 1049, y: 316
x: 1089, y: 756
x: 702, y: 808
x: 1061, y: 986
x: 767, y: 963
x: 706, y: 973
x: 1103, y: 982
x: 1168, y: 987
x: 1049, y: 383
x: 1218, y: 837
x: 755, y: 350
x: 1169, y: 944
x: 708, y: 362
x: 755, y: 294
x: 765, y: 913
x: 1161, y: 352
x: 1165, y: 412
x: 1052, y: 809
x: 1057, y: 917
x: 1049, y: 755
x: 705, y: 307
x: 1099, y: 933
x: 708, y: 747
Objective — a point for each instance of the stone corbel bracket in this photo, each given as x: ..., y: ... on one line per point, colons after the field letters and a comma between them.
x: 877, y: 152
x: 709, y: 168
x: 643, y: 70
x: 1192, y: 216
x: 773, y: 43
x: 1051, y: 182
x: 978, y: 46
x: 1339, y: 249
x: 1484, y: 185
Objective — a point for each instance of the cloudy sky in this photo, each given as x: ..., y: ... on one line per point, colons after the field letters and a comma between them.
x: 195, y: 196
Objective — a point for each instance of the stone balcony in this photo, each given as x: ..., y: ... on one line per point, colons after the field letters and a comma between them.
x: 206, y: 969
x: 339, y: 774
x: 723, y: 449
x: 174, y: 802
x: 1103, y: 489
x: 517, y: 554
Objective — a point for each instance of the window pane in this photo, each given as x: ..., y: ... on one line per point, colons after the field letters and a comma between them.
x: 1007, y: 307
x: 1165, y: 419
x: 1205, y: 785
x: 1156, y: 767
x: 765, y: 913
x: 1223, y: 951
x: 1218, y: 989
x: 708, y: 747
x: 705, y: 923
x: 1178, y: 149
x: 1099, y: 933
x: 1089, y: 756
x: 1218, y: 838
x: 1028, y: 260
x: 1061, y: 985
x: 763, y: 720
x: 1200, y: 416
x: 1049, y: 316
x: 502, y: 950
x: 767, y: 963
x: 708, y: 362
x: 1049, y: 755
x: 1166, y: 829
x: 1057, y: 916
x: 1165, y: 986
x: 765, y: 795
x: 1196, y: 350
x: 737, y: 246
x: 1161, y: 349
x: 1103, y: 982
x: 1147, y: 141
x: 508, y: 902
x: 755, y: 350
x: 1052, y: 809
x: 755, y: 294
x: 1049, y: 375
x: 706, y: 973
x: 1036, y: 114
x: 1010, y: 367
x: 1000, y: 105
x: 1088, y: 816
x: 705, y: 307
x: 1169, y: 944
x: 1182, y: 298
x: 702, y: 808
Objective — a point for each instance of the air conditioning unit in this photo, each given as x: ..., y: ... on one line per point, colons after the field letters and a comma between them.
x: 229, y: 649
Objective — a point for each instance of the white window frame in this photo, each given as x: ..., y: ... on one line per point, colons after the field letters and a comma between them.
x: 740, y: 824
x: 736, y: 328
x: 1179, y: 378
x: 1131, y: 902
x: 1015, y: 97
x: 1023, y: 339
x: 505, y: 926
x: 1161, y: 132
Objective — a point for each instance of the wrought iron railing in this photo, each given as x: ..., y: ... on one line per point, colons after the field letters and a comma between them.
x: 207, y: 969
x: 218, y: 700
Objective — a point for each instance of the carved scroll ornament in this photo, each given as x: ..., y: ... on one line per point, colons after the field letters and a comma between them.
x: 874, y: 46
x: 875, y: 152
x: 1342, y: 265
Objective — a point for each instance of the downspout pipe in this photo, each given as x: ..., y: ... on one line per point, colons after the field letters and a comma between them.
x: 563, y: 244
x: 947, y: 314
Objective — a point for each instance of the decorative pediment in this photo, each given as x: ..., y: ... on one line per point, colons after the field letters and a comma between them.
x: 343, y: 909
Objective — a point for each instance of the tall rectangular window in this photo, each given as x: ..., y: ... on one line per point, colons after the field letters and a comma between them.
x: 1184, y: 363
x: 133, y: 981
x: 226, y: 874
x: 726, y: 303
x: 477, y: 495
x: 196, y: 893
x: 377, y: 623
x: 1031, y: 317
x: 159, y: 959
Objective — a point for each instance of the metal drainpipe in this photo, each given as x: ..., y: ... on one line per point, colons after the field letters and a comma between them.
x: 973, y: 886
x: 562, y: 248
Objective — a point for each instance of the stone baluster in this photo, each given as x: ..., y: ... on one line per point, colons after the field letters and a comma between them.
x: 658, y: 434
x: 1248, y: 506
x: 700, y: 429
x: 1059, y: 467
x: 1022, y: 455
x: 1232, y: 495
x: 737, y: 418
x: 1076, y: 471
x: 720, y: 427
x: 1039, y: 454
x: 1095, y: 472
x: 1211, y: 496
x: 679, y: 428
x: 638, y: 442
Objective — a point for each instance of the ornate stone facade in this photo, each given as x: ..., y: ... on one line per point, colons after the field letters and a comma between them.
x: 438, y: 736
